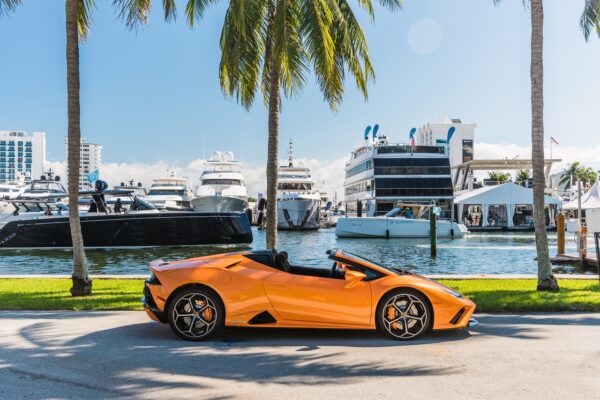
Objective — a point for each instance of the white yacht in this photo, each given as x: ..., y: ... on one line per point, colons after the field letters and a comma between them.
x: 390, y: 189
x: 170, y: 193
x: 298, y: 202
x: 10, y: 190
x: 222, y: 185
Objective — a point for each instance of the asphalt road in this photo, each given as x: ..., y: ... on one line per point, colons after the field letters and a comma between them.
x: 107, y: 355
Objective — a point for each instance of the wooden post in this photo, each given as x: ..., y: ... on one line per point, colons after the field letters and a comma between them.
x: 433, y: 232
x: 560, y: 234
x: 597, y: 240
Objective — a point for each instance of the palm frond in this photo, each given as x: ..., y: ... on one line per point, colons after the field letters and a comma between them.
x: 195, y: 9
x: 133, y: 12
x: 84, y: 17
x: 241, y: 51
x: 170, y: 10
x: 8, y: 6
x: 590, y: 18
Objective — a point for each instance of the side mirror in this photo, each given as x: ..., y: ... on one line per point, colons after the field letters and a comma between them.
x: 353, y: 277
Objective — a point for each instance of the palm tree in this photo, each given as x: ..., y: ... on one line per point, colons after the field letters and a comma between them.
x: 78, y: 24
x: 546, y: 280
x: 274, y: 44
x: 570, y: 176
x: 522, y: 176
x: 499, y: 177
x: 587, y: 175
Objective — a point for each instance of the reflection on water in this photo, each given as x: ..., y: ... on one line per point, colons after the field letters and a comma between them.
x: 497, y: 253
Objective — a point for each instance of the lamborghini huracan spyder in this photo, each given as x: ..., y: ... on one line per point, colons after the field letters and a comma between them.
x: 199, y: 296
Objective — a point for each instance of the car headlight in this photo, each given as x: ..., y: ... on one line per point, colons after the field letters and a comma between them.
x: 452, y: 292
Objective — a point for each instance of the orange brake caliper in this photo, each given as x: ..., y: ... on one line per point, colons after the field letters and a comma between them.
x: 207, y: 314
x: 391, y: 314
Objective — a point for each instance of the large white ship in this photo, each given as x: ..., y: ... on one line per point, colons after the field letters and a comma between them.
x: 170, y: 193
x: 390, y: 189
x: 222, y: 185
x: 298, y: 202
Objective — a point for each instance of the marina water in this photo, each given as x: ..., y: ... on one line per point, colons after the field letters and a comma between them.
x: 491, y: 253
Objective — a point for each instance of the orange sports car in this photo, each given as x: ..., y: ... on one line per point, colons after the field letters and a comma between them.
x: 200, y: 296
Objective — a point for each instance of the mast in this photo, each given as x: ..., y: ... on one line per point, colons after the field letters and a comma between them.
x: 290, y: 154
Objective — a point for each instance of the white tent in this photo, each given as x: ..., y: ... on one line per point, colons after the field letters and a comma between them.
x: 590, y: 199
x: 507, y: 194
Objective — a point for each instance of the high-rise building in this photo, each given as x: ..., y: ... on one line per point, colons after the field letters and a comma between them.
x: 21, y: 154
x: 461, y: 143
x: 90, y: 161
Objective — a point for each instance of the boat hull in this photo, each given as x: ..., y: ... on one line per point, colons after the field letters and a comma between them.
x: 147, y: 230
x: 383, y: 227
x: 219, y: 204
x: 297, y: 214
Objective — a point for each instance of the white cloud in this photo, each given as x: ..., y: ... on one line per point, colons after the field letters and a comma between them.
x: 588, y: 156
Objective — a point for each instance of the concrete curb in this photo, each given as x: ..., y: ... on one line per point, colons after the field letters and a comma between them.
x: 431, y: 276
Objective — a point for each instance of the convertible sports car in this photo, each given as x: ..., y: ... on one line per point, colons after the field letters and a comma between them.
x: 199, y: 296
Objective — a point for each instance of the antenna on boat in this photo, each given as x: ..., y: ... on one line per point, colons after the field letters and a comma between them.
x: 290, y: 154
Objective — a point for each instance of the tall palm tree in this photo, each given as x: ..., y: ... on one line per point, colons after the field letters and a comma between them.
x: 274, y: 44
x: 546, y: 280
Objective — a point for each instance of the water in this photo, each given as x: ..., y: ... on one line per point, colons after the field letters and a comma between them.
x: 493, y: 253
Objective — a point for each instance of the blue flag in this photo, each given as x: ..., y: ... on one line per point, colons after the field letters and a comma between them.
x: 93, y: 176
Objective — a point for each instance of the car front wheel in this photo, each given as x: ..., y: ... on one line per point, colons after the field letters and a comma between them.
x: 404, y: 314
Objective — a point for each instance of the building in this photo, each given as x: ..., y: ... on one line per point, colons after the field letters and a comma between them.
x: 461, y: 143
x: 21, y: 154
x: 90, y: 161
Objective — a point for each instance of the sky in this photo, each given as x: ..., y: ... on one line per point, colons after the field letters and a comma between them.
x: 152, y: 97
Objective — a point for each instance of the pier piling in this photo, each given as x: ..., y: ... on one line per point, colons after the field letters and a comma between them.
x: 560, y: 234
x: 433, y: 233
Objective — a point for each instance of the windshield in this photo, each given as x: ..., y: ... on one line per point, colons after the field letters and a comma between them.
x: 235, y: 182
x: 165, y: 192
x: 366, y: 261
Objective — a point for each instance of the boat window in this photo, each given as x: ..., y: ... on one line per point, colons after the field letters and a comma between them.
x: 166, y: 192
x: 294, y: 186
x: 142, y: 204
x: 229, y: 182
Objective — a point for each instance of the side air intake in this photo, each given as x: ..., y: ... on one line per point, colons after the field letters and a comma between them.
x: 262, y: 318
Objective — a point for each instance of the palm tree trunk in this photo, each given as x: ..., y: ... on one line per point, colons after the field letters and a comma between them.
x: 546, y: 281
x: 272, y: 162
x: 82, y: 285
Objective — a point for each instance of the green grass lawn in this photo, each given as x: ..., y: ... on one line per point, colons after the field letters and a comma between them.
x: 124, y: 294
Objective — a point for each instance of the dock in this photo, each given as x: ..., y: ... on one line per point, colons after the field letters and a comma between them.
x: 590, y: 259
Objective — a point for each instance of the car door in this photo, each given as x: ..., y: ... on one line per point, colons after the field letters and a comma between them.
x: 318, y: 299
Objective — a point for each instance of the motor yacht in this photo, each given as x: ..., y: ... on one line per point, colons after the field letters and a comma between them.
x: 44, y: 223
x: 298, y: 202
x: 222, y: 185
x: 170, y: 193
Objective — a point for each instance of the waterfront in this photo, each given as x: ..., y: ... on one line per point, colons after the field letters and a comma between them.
x: 492, y: 253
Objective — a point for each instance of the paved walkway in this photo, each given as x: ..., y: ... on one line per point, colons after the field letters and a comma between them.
x: 106, y: 355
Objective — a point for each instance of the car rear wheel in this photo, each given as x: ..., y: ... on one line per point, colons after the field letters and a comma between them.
x: 404, y: 314
x: 196, y: 313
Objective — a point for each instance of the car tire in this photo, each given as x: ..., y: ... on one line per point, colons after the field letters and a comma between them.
x: 404, y: 314
x: 196, y: 314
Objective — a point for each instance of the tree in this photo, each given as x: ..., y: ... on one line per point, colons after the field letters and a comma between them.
x: 275, y: 44
x: 587, y: 175
x: 499, y: 177
x: 522, y: 176
x: 7, y: 6
x: 570, y: 176
x: 590, y: 18
x: 546, y: 280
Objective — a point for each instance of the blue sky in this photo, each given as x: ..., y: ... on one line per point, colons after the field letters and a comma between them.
x: 154, y: 95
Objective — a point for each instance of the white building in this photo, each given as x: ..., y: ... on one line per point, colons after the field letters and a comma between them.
x: 21, y: 154
x: 461, y: 143
x: 90, y: 161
